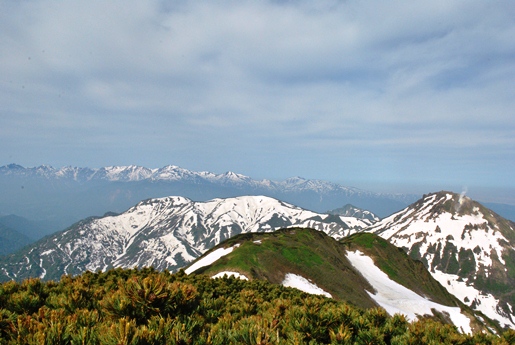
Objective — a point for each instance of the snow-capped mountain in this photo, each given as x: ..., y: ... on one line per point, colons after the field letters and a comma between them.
x: 468, y: 248
x: 165, y: 233
x: 66, y: 195
x: 133, y: 173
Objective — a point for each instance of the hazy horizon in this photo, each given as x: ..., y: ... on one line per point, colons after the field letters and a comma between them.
x: 479, y: 193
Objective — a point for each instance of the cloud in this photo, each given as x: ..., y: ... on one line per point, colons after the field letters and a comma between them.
x: 249, y: 76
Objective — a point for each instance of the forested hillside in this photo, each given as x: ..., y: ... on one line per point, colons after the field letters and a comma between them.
x: 147, y: 307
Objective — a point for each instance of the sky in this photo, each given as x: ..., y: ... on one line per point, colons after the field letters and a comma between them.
x: 400, y: 95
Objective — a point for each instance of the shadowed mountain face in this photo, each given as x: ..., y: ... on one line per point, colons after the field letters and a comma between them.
x: 165, y: 233
x: 11, y: 240
x: 353, y: 211
x: 468, y: 248
x: 363, y: 269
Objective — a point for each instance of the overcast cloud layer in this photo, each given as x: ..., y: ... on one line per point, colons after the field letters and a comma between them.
x: 411, y: 92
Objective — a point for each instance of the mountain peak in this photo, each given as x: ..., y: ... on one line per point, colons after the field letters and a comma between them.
x: 234, y: 176
x: 465, y: 246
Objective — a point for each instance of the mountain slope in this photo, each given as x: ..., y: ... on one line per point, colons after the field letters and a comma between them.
x: 165, y: 233
x: 31, y: 229
x: 316, y: 263
x: 11, y: 240
x: 468, y: 248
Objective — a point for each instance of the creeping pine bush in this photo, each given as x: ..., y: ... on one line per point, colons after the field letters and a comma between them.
x: 148, y: 307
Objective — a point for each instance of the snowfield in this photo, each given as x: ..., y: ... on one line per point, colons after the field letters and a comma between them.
x: 209, y: 259
x: 395, y: 298
x: 301, y: 283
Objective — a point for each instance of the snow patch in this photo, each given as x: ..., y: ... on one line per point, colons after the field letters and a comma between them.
x: 43, y: 274
x: 301, y: 283
x: 209, y: 259
x: 395, y: 298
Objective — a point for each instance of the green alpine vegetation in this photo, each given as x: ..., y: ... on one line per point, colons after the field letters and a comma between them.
x: 322, y: 261
x: 149, y: 307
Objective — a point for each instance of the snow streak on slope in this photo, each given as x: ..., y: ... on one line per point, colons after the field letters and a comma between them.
x: 395, y: 298
x: 301, y: 283
x: 209, y: 259
x: 168, y: 233
x: 486, y: 301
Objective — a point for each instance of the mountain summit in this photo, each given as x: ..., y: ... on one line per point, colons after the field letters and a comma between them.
x: 468, y: 248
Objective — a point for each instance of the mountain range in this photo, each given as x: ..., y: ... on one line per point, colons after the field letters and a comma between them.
x: 166, y: 233
x: 466, y: 247
x: 66, y: 195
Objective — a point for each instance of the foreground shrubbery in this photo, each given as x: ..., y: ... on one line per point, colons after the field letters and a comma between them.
x: 147, y: 307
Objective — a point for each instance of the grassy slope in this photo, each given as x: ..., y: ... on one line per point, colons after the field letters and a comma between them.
x: 321, y: 259
x: 399, y: 267
x: 305, y: 252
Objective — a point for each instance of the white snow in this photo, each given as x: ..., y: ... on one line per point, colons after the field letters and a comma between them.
x: 301, y: 283
x: 485, y: 303
x: 43, y: 274
x: 395, y: 298
x: 410, y: 227
x: 209, y: 259
x: 230, y: 274
x: 354, y: 222
x: 469, y: 232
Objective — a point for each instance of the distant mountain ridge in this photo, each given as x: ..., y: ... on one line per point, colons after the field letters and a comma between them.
x: 11, y: 240
x: 17, y: 232
x: 69, y: 194
x: 133, y: 173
